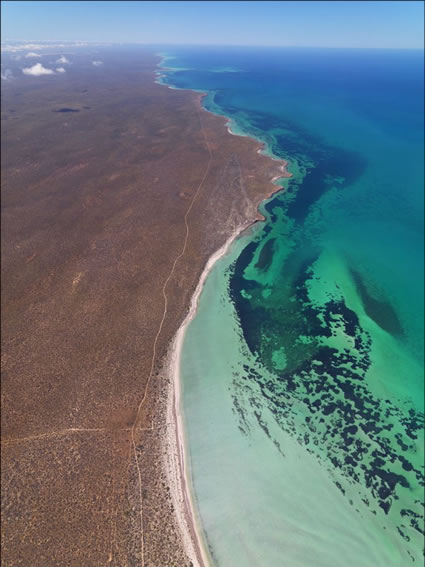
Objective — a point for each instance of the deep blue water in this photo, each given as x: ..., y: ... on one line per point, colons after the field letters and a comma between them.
x: 350, y: 115
x: 329, y: 293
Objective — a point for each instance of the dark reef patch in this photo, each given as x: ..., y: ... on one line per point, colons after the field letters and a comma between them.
x: 322, y: 398
x: 67, y: 109
x: 336, y: 164
x: 381, y: 312
x: 325, y: 165
x: 312, y: 358
x: 266, y: 255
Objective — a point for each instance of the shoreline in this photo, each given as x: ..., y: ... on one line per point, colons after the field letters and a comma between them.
x: 262, y: 149
x: 176, y: 448
x: 121, y: 396
x: 175, y: 366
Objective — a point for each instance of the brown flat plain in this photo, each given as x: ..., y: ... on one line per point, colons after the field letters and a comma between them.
x: 93, y: 208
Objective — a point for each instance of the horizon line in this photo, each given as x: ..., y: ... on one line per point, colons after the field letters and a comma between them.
x: 182, y: 44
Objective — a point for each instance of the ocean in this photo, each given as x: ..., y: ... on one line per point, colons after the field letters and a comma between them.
x: 302, y: 372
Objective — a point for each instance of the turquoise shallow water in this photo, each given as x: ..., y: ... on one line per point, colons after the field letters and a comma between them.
x: 303, y: 370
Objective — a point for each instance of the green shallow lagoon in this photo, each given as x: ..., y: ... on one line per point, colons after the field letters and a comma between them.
x: 263, y: 497
x: 302, y: 373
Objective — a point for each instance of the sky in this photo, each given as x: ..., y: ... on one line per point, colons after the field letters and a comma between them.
x: 396, y: 24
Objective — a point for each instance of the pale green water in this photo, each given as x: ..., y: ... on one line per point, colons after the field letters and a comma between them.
x: 263, y: 500
x: 303, y: 371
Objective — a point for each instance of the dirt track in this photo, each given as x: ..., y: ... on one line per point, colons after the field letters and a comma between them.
x: 96, y: 207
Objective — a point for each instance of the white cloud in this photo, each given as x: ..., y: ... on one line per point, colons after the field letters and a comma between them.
x: 21, y: 47
x: 97, y: 63
x: 32, y: 54
x: 62, y: 60
x: 37, y: 70
x: 60, y: 69
x: 14, y: 47
x: 6, y: 75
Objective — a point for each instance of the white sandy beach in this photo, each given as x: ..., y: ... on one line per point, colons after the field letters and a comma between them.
x: 175, y: 448
x: 174, y: 440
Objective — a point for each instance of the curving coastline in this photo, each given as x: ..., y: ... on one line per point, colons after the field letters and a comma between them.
x: 178, y: 472
x: 87, y: 327
x: 175, y: 452
x: 109, y: 427
x: 204, y: 445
